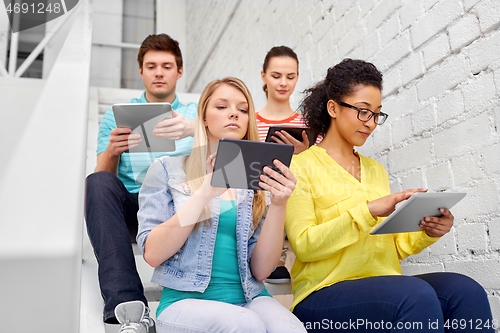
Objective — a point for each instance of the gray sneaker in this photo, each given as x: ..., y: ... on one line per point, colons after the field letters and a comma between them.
x: 134, y: 317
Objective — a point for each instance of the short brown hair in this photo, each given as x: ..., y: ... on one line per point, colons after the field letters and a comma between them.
x: 160, y: 42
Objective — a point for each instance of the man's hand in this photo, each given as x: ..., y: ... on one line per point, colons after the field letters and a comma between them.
x: 175, y: 128
x: 121, y: 139
x: 438, y: 226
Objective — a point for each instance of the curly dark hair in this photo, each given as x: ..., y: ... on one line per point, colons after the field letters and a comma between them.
x: 340, y: 81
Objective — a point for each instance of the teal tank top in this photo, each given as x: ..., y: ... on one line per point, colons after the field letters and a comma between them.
x: 225, y: 282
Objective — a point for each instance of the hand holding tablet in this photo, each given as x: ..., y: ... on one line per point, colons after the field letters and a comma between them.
x: 240, y: 163
x: 173, y: 128
x: 408, y: 217
x: 295, y: 132
x: 142, y: 119
x: 121, y: 139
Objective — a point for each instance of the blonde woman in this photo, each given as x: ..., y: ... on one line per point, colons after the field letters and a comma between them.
x: 210, y: 246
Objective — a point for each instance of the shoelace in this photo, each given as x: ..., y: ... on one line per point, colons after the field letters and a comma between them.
x: 283, y: 254
x: 129, y: 327
x: 147, y: 319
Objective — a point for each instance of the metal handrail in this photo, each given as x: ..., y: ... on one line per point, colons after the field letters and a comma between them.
x: 14, y: 43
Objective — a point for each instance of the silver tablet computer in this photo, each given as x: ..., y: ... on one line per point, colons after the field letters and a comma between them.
x: 407, y: 217
x: 239, y: 163
x: 142, y: 119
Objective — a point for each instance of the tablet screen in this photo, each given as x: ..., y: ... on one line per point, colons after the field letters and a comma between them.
x: 239, y: 163
x: 407, y: 217
x: 142, y: 118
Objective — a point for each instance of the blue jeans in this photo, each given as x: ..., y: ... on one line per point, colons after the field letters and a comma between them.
x: 421, y: 303
x: 111, y: 216
x: 260, y: 315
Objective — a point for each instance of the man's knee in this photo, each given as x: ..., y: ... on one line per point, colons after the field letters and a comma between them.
x: 101, y: 188
x: 100, y: 179
x: 102, y: 184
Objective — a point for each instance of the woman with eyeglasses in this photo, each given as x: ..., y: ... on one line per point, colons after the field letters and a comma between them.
x: 345, y: 278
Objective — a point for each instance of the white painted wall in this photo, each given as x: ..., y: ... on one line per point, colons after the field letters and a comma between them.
x: 19, y: 97
x: 171, y: 20
x: 128, y: 21
x: 138, y: 23
x: 441, y: 66
x: 41, y: 192
x: 51, y: 51
x: 106, y: 65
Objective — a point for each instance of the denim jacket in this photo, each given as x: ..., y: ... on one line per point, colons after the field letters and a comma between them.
x: 162, y: 194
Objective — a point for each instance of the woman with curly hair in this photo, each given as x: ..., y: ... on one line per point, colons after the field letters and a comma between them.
x: 345, y: 278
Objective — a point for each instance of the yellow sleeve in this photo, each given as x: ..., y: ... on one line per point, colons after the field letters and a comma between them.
x: 314, y: 240
x: 412, y: 243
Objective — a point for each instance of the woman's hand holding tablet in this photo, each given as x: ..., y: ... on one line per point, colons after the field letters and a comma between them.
x: 423, y: 211
x: 240, y: 163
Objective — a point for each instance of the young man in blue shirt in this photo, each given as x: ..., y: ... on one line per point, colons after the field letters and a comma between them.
x: 111, y: 198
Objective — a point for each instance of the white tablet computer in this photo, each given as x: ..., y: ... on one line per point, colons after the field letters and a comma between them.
x: 407, y: 217
x: 239, y: 163
x: 142, y: 119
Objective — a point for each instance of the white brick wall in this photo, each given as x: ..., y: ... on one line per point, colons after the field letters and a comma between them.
x: 441, y: 66
x: 472, y: 236
x: 436, y: 50
x: 463, y: 32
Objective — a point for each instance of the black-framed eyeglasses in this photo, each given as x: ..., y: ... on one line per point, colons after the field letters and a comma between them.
x: 366, y: 114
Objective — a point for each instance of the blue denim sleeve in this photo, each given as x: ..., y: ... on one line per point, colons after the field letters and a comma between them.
x: 155, y: 202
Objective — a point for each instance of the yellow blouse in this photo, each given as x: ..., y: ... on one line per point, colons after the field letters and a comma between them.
x: 328, y: 224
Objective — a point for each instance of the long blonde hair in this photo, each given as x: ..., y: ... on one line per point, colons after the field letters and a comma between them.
x: 195, y: 163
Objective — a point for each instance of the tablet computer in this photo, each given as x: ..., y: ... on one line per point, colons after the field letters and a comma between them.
x: 407, y: 217
x: 239, y: 163
x: 296, y: 132
x: 142, y: 119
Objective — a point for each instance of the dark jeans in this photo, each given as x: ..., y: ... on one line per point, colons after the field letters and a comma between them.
x: 111, y: 216
x: 421, y: 303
